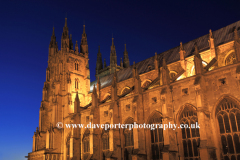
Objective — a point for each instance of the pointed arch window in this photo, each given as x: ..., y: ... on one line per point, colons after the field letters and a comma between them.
x: 228, y: 116
x: 190, y: 136
x: 76, y: 83
x: 86, y: 144
x: 105, y: 142
x: 156, y: 138
x: 76, y: 66
x: 68, y: 148
x: 146, y: 83
x: 129, y: 142
x: 230, y: 58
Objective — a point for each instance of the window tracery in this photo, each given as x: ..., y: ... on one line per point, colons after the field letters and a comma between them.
x: 228, y: 115
x: 156, y: 138
x: 190, y: 136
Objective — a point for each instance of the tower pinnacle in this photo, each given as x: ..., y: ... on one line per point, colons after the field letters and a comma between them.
x: 113, y: 55
x: 65, y: 22
x: 53, y: 40
x: 126, y: 62
x: 65, y: 36
x: 99, y: 65
x: 84, y: 44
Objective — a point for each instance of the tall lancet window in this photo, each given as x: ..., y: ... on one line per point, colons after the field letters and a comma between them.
x: 76, y: 83
x: 105, y: 142
x: 228, y: 115
x: 128, y: 136
x: 86, y: 144
x: 68, y: 148
x: 156, y: 137
x: 190, y: 137
x: 76, y: 66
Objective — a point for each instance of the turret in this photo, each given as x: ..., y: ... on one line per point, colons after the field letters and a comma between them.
x: 114, y: 87
x: 105, y: 63
x: 65, y: 37
x: 70, y: 43
x: 165, y: 73
x: 156, y: 63
x: 198, y: 61
x: 211, y: 44
x: 125, y: 58
x: 113, y: 56
x: 137, y: 81
x: 99, y: 64
x: 76, y: 48
x: 84, y: 44
x: 53, y: 44
x: 182, y: 53
x: 237, y: 45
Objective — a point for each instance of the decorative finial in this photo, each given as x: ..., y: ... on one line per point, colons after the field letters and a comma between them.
x: 53, y: 31
x: 84, y: 29
x: 99, y: 49
x: 196, y: 49
x: 104, y: 63
x: 210, y: 34
x: 112, y: 42
x: 181, y: 46
x: 66, y: 22
x: 164, y: 62
x: 155, y: 57
x: 121, y: 62
x: 236, y: 37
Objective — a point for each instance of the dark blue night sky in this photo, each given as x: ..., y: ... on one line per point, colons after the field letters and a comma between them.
x: 26, y: 28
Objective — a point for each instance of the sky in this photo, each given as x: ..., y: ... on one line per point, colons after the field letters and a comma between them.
x: 26, y: 28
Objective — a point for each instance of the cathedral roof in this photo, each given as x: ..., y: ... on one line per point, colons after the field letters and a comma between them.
x: 221, y: 36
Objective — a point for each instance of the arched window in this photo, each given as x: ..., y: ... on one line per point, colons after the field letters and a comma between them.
x: 128, y: 135
x: 76, y: 83
x: 105, y: 142
x: 86, y: 144
x: 190, y: 134
x: 146, y: 83
x: 156, y: 137
x: 230, y: 59
x: 76, y: 66
x: 68, y: 148
x: 228, y: 115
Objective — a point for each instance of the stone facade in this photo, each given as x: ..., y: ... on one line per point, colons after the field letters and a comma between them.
x: 202, y: 86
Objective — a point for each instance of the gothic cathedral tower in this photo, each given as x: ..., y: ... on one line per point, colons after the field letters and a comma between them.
x: 66, y: 89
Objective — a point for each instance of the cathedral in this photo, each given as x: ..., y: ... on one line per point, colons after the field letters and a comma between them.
x: 195, y: 82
